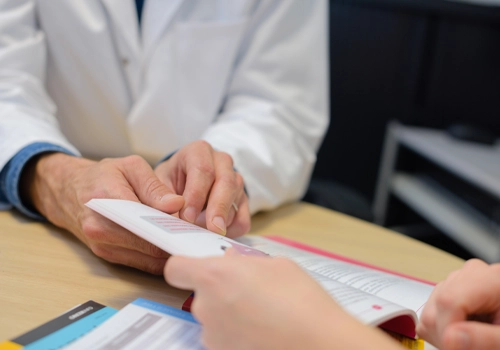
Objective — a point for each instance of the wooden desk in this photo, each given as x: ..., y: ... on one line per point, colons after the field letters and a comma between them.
x: 44, y: 270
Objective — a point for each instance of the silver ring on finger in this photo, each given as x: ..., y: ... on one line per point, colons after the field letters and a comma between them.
x: 235, y: 206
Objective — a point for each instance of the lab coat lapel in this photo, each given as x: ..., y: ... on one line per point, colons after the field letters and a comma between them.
x: 124, y: 17
x: 157, y: 14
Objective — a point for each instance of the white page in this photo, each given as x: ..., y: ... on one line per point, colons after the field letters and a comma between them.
x: 367, y: 308
x: 402, y: 291
x: 143, y: 324
x: 173, y: 235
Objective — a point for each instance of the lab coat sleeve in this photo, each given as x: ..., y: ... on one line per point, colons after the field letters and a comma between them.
x: 27, y: 114
x: 276, y: 111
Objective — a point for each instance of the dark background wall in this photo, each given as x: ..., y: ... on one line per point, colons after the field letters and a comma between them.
x: 422, y: 62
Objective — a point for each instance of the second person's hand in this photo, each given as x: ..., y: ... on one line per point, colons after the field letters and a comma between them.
x: 246, y: 302
x: 463, y: 312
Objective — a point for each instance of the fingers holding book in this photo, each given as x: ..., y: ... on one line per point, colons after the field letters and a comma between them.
x: 463, y: 312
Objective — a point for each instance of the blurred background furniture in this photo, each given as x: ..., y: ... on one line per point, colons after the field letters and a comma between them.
x: 452, y: 184
x: 426, y: 63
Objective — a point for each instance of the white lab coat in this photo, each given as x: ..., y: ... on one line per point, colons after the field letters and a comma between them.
x: 248, y: 76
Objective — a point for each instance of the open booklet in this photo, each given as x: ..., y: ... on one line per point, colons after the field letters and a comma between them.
x: 375, y: 296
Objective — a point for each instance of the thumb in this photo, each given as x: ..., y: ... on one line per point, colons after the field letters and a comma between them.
x: 471, y: 335
x: 149, y: 189
x: 185, y: 273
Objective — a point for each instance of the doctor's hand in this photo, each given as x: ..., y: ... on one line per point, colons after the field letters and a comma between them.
x: 463, y: 312
x: 213, y: 190
x: 58, y: 186
x: 245, y: 302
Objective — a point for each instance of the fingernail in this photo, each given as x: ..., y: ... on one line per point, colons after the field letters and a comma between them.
x: 460, y: 340
x: 190, y: 214
x: 220, y: 223
x: 168, y: 197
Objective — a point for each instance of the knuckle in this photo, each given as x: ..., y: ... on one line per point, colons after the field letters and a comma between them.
x: 132, y: 161
x: 106, y: 161
x: 202, y: 143
x: 195, y: 197
x: 444, y: 301
x: 92, y: 231
x: 224, y: 210
x: 207, y: 169
x: 221, y: 209
x: 228, y: 180
x: 226, y: 158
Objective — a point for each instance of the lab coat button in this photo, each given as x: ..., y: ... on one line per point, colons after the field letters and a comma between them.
x: 124, y: 61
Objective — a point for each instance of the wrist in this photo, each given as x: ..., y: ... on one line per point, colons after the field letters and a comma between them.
x: 48, y: 183
x: 26, y: 181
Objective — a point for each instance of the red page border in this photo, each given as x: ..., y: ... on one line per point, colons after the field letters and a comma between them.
x: 306, y: 247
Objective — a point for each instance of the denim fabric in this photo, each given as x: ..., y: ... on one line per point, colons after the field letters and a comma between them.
x: 11, y: 174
